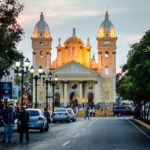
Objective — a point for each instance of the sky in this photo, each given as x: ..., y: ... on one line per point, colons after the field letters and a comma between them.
x: 131, y: 19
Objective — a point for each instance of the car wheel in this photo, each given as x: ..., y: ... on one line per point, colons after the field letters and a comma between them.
x: 42, y: 130
x: 68, y: 120
x: 47, y: 127
x: 74, y: 120
x: 54, y: 121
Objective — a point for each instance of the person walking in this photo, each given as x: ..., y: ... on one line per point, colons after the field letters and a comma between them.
x: 87, y: 113
x: 23, y: 124
x: 8, y: 118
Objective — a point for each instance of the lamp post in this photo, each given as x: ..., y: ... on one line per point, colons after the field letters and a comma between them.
x: 36, y: 77
x: 52, y: 83
x: 20, y: 71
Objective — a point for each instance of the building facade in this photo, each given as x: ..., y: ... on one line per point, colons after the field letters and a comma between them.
x: 80, y: 78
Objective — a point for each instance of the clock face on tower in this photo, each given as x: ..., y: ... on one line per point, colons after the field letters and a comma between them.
x: 106, y: 43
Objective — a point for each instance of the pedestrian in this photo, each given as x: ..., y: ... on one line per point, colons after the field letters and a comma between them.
x: 8, y: 118
x: 47, y: 115
x: 87, y: 113
x: 93, y: 112
x: 23, y: 124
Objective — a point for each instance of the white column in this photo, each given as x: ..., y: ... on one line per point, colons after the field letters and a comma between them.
x: 80, y: 93
x: 65, y: 94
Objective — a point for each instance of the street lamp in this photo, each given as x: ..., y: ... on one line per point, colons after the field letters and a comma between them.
x: 36, y: 77
x: 52, y: 83
x: 20, y: 71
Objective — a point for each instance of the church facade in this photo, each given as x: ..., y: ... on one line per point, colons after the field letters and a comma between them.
x: 80, y: 78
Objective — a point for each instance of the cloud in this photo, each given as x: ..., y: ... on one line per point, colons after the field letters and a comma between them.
x: 26, y: 20
x: 129, y: 39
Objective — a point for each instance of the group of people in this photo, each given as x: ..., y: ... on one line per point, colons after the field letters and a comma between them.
x: 9, y: 117
x: 89, y: 112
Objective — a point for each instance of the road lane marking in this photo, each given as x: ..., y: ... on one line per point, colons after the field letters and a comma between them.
x: 65, y: 143
x: 140, y: 129
x: 76, y: 135
x: 88, y: 126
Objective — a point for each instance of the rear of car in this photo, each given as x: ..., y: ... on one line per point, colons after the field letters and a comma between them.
x: 122, y: 110
x: 71, y: 114
x: 37, y: 120
x: 61, y: 114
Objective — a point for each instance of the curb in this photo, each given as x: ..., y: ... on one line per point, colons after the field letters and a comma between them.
x: 142, y: 123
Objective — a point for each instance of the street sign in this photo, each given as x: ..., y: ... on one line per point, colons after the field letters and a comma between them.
x: 6, y: 90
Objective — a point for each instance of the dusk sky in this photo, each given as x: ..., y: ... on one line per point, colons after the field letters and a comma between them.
x: 131, y: 19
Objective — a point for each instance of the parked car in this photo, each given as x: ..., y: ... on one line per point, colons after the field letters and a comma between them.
x: 61, y: 114
x: 122, y: 110
x: 37, y: 120
x: 72, y: 114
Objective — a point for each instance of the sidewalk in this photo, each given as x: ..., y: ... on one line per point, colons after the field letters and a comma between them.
x: 147, y: 126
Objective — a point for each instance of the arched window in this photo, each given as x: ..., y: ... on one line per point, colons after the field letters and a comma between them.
x: 41, y: 54
x: 106, y: 54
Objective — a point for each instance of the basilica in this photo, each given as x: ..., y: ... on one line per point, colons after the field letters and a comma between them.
x: 81, y: 78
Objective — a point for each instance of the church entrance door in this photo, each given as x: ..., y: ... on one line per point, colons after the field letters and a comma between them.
x: 74, y: 99
x: 91, y: 100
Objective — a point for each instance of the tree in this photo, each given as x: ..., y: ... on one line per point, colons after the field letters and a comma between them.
x: 10, y: 33
x: 135, y: 81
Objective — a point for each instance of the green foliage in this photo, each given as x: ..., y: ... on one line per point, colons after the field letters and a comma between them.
x: 10, y: 33
x: 135, y: 83
x: 28, y: 82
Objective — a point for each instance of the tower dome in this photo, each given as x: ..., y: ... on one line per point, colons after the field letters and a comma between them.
x: 73, y: 40
x: 41, y: 29
x: 106, y: 28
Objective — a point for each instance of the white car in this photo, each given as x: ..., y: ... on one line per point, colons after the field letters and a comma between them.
x: 37, y: 120
x: 72, y: 114
x: 61, y: 114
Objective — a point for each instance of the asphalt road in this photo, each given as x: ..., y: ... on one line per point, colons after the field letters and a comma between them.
x: 95, y: 134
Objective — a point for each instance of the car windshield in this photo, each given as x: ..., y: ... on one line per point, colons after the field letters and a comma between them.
x: 60, y: 110
x: 33, y: 113
x: 122, y: 107
x: 70, y: 111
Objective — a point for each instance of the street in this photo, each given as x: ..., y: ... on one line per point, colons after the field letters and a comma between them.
x: 105, y: 133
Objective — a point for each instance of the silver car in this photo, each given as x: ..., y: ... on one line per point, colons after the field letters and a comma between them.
x: 37, y: 120
x: 60, y: 114
x: 72, y: 114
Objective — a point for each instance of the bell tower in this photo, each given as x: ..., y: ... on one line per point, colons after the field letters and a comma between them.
x: 107, y: 59
x: 41, y: 45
